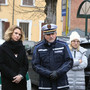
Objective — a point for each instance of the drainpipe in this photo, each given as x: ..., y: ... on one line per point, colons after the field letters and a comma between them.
x: 66, y: 17
x: 86, y: 24
x: 13, y: 13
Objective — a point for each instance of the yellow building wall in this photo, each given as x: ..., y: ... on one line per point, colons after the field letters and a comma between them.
x: 59, y: 18
x: 35, y: 14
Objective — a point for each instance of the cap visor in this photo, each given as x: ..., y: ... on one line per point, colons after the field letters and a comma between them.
x: 49, y: 32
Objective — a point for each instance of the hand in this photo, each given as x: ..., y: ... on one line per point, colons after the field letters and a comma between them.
x: 80, y: 61
x: 53, y: 75
x: 17, y: 78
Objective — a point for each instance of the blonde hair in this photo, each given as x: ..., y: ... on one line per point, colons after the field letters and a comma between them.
x: 10, y: 30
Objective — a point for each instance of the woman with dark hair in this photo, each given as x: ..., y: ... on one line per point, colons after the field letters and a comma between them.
x: 13, y: 60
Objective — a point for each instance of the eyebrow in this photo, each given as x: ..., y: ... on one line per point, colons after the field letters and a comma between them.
x: 17, y: 33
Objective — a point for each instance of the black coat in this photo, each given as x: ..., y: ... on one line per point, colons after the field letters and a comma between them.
x: 11, y: 66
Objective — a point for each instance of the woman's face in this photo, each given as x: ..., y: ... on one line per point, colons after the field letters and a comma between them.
x: 75, y: 43
x: 16, y: 35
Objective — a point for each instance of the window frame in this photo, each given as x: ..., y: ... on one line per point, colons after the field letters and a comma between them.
x: 30, y: 25
x: 40, y: 26
x: 5, y: 3
x: 28, y: 5
x: 1, y: 31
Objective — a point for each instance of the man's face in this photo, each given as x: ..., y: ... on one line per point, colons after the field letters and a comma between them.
x: 75, y: 43
x: 50, y: 37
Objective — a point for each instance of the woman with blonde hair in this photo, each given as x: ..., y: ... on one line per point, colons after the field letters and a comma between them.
x: 13, y: 60
x: 76, y: 75
x: 9, y: 32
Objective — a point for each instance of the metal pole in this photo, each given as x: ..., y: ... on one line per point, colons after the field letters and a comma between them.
x: 66, y: 17
x: 13, y: 13
x: 86, y: 24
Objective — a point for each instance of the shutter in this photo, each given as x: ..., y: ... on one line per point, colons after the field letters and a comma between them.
x: 42, y: 32
x: 27, y: 2
x: 2, y: 1
x: 25, y: 27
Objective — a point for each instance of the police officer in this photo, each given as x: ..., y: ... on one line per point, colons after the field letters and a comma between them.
x: 52, y: 60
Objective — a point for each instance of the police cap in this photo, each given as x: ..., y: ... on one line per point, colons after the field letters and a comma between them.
x: 49, y: 28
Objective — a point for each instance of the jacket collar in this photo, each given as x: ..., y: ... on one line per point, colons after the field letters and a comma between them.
x: 49, y: 44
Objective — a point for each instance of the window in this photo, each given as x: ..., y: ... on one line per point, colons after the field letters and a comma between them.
x: 4, y: 24
x: 26, y: 26
x: 27, y: 2
x: 40, y: 32
x: 3, y: 2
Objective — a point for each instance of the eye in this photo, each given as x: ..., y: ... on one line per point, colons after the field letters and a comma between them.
x: 17, y: 33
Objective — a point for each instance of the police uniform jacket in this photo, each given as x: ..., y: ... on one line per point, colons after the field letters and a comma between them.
x: 48, y: 57
x: 11, y: 66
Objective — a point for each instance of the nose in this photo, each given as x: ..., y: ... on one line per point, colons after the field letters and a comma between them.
x: 51, y: 35
x: 17, y: 35
x: 76, y: 42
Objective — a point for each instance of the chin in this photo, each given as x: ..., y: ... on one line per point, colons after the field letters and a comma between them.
x: 15, y: 40
x: 75, y: 47
x: 51, y: 41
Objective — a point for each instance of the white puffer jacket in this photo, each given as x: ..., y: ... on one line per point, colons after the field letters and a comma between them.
x: 76, y: 76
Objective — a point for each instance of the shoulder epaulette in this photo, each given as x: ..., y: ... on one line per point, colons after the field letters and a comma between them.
x: 61, y: 41
x: 38, y: 43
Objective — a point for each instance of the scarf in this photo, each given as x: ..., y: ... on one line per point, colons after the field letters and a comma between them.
x: 15, y: 46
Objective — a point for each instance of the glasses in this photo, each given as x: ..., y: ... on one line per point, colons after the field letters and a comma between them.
x: 74, y: 41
